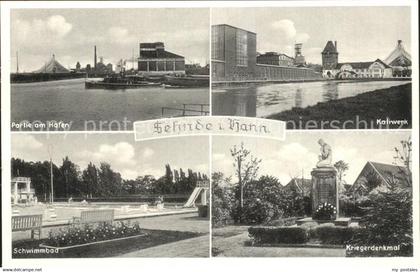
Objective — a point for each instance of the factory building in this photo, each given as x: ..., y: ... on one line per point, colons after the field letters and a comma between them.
x: 234, y: 58
x: 155, y: 60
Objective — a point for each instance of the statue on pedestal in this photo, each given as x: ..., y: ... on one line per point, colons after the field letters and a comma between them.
x: 324, y: 185
x: 325, y: 158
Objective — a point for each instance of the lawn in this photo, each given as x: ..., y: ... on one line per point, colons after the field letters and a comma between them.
x: 358, y: 112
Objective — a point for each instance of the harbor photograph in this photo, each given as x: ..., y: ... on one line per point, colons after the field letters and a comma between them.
x: 317, y: 194
x: 108, y: 197
x: 313, y: 67
x: 103, y: 69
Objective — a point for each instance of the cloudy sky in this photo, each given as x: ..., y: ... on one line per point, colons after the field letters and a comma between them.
x: 71, y: 34
x: 362, y: 33
x: 299, y: 152
x: 130, y: 158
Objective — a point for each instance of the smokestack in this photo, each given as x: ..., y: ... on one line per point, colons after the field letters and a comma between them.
x: 335, y: 45
x: 95, y: 60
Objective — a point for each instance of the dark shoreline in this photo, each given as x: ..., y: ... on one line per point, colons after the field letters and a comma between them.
x: 358, y: 112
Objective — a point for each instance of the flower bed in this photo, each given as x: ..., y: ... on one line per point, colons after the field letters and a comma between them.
x: 91, y: 233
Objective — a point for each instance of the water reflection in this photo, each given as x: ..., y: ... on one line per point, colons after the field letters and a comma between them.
x: 242, y: 102
x: 261, y: 101
x: 331, y: 92
x: 299, y: 98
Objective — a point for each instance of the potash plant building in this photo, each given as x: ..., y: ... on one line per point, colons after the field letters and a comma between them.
x: 234, y: 58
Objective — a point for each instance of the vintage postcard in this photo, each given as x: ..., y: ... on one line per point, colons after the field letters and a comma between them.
x: 210, y: 135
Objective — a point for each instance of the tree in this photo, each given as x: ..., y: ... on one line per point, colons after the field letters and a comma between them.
x: 341, y: 167
x: 90, y: 178
x: 264, y: 201
x: 388, y: 221
x: 403, y: 154
x: 246, y: 167
x: 72, y: 184
x: 110, y: 181
x: 223, y: 200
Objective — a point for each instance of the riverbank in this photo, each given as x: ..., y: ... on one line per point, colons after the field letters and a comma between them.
x: 384, y: 108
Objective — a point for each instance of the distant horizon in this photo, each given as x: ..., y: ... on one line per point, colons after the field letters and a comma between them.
x: 362, y: 33
x: 98, y: 165
x: 126, y: 156
x: 71, y: 34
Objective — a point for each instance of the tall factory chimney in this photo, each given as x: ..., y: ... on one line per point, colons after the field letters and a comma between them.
x: 335, y: 45
x: 95, y: 59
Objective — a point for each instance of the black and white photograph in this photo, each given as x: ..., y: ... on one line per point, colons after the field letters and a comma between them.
x: 209, y: 136
x: 103, y: 69
x: 318, y: 194
x: 313, y: 67
x: 109, y: 197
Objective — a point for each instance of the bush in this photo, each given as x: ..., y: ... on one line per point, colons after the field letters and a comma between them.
x: 223, y: 201
x: 264, y: 201
x: 388, y: 222
x: 278, y: 235
x: 332, y: 235
x: 289, y: 221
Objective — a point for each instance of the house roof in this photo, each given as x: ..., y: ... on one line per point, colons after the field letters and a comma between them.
x: 362, y: 65
x: 52, y: 66
x: 300, y: 185
x: 399, y: 56
x: 387, y: 173
x: 330, y: 47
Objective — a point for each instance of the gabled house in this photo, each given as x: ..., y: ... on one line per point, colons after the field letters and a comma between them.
x: 380, y: 175
x: 299, y: 186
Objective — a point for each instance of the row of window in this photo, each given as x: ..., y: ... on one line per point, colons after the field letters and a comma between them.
x: 241, y: 47
x: 217, y: 43
x: 168, y: 65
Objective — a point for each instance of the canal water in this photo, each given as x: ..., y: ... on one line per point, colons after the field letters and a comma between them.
x: 69, y: 101
x: 261, y: 101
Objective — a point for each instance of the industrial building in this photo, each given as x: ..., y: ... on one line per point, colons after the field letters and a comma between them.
x: 155, y: 60
x: 331, y: 68
x: 234, y: 58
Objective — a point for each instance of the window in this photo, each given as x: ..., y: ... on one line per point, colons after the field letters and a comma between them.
x: 142, y: 65
x: 241, y: 48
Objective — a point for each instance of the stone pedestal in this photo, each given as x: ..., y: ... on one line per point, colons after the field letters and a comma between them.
x: 324, y: 188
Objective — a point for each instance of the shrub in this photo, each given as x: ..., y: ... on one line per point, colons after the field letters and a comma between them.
x: 289, y: 221
x: 388, y: 222
x: 332, y: 235
x: 277, y: 235
x: 223, y: 201
x: 264, y: 201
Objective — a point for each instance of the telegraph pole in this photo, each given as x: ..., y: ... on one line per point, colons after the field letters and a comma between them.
x: 51, y: 175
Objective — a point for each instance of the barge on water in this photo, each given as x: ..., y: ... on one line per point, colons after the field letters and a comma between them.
x: 117, y: 83
x: 186, y: 81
